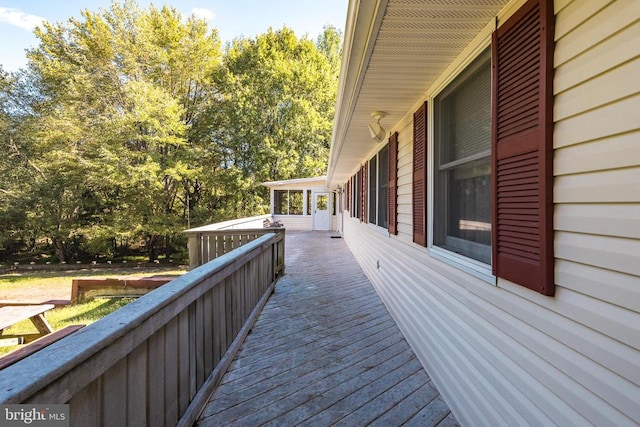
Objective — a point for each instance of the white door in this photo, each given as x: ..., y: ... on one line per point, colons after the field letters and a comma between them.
x: 321, y: 212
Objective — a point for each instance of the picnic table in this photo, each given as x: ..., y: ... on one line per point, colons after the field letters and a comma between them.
x: 12, y: 314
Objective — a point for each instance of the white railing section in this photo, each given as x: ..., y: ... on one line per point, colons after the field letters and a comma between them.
x: 155, y: 361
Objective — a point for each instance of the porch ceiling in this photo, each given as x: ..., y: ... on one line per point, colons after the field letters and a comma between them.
x: 394, y: 50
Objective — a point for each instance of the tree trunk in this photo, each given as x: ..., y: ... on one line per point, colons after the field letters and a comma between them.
x: 61, y: 249
x: 167, y: 247
x: 152, y: 247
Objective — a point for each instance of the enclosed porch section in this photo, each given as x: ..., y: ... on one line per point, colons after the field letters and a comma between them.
x: 325, y: 351
x: 303, y: 204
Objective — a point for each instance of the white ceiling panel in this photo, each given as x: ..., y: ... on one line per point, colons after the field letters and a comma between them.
x: 399, y: 48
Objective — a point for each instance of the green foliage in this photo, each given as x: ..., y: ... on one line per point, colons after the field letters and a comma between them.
x: 133, y: 123
x: 274, y: 117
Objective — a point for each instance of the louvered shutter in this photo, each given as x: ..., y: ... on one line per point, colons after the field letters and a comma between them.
x: 354, y: 193
x: 358, y: 193
x: 522, y: 148
x: 392, y: 196
x: 363, y: 200
x: 349, y: 197
x: 420, y: 175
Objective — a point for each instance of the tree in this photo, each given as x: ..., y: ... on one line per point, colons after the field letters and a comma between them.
x: 123, y: 89
x: 130, y: 123
x: 274, y: 120
x: 18, y: 94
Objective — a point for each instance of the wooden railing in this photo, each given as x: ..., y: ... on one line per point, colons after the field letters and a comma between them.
x: 206, y: 245
x: 155, y: 361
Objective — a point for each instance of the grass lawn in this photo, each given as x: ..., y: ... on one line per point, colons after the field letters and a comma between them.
x: 84, y: 313
x: 41, y: 283
x: 55, y: 285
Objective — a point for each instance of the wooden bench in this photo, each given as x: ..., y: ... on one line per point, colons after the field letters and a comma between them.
x: 37, y: 345
x: 12, y: 314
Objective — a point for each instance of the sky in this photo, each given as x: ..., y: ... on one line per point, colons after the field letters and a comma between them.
x: 232, y: 18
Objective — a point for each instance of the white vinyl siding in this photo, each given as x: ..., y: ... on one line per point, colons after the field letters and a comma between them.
x: 405, y: 170
x: 505, y: 355
x: 295, y: 222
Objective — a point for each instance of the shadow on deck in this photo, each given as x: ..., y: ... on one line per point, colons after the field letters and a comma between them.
x: 325, y: 351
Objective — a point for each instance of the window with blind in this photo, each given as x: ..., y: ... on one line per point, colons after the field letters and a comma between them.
x: 462, y: 173
x: 378, y: 188
x: 373, y: 199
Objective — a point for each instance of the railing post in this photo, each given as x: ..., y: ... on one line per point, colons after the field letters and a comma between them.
x: 195, y: 257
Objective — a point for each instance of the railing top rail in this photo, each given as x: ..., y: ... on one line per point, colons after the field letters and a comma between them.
x: 122, y: 330
x: 229, y: 225
x: 235, y: 231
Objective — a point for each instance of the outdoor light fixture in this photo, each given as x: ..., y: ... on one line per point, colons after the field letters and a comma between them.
x: 376, y: 131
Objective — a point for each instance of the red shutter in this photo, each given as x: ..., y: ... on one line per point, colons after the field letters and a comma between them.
x: 420, y: 175
x: 354, y: 192
x: 358, y: 188
x: 392, y: 196
x: 365, y: 187
x: 522, y: 148
x: 361, y: 193
x: 349, y: 190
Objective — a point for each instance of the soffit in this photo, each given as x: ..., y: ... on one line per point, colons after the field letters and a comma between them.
x: 410, y: 43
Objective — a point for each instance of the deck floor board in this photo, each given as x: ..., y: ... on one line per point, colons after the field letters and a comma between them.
x: 325, y: 351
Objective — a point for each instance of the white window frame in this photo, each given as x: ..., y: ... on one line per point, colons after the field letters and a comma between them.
x: 288, y: 191
x: 469, y: 265
x: 377, y: 188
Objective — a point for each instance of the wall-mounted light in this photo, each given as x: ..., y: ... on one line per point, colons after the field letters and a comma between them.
x: 376, y: 131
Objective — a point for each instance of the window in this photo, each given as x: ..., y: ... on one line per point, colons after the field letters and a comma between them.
x: 287, y: 202
x: 373, y: 179
x: 321, y: 202
x: 280, y: 202
x: 334, y: 204
x: 462, y: 166
x: 295, y: 202
x: 355, y: 196
x: 378, y: 187
x: 308, y: 202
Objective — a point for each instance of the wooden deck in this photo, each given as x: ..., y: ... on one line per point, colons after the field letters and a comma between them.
x: 325, y: 351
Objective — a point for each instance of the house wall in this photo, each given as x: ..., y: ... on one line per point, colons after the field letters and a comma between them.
x: 295, y: 222
x: 502, y: 354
